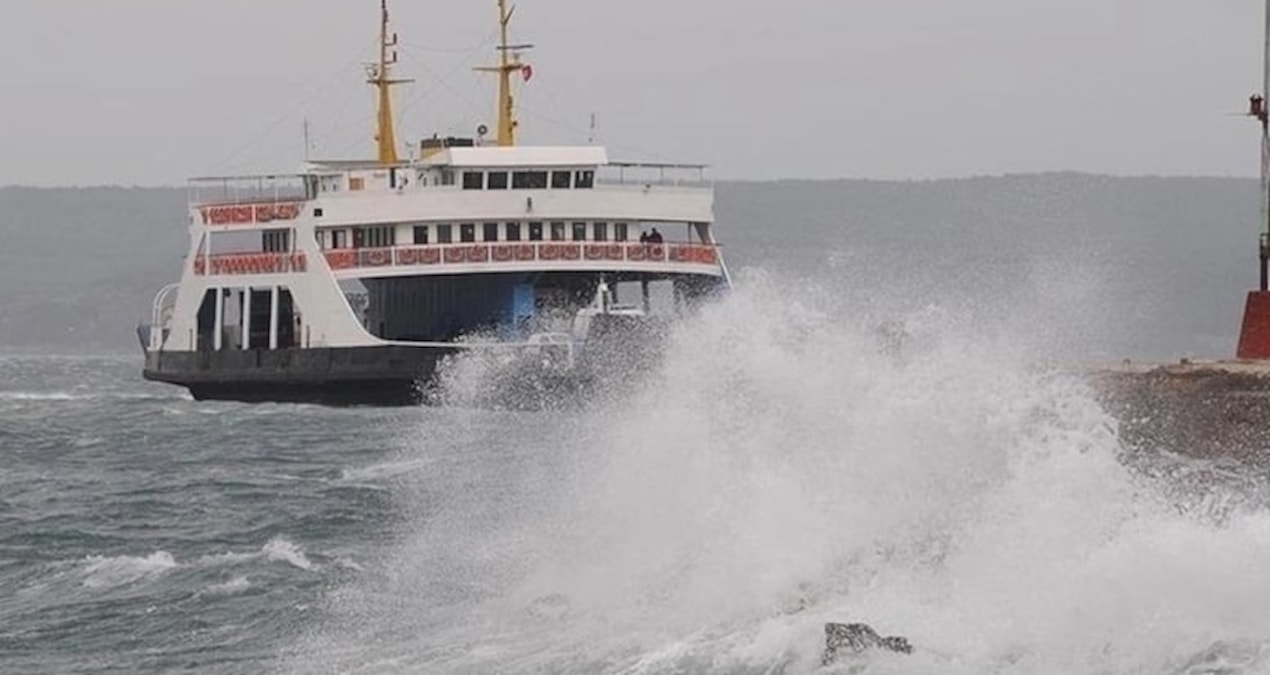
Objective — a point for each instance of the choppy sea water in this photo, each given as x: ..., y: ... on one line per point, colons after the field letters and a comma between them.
x: 776, y: 473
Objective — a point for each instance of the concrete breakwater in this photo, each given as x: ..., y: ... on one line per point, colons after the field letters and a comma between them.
x: 1205, y: 410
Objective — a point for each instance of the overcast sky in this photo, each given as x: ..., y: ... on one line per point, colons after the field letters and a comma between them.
x: 154, y: 91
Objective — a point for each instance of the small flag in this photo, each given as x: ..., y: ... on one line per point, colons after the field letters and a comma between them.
x: 527, y: 72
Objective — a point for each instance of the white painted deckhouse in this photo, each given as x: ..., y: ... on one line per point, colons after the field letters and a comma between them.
x: 350, y: 281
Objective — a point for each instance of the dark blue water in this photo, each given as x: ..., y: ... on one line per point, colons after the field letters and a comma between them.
x: 778, y: 473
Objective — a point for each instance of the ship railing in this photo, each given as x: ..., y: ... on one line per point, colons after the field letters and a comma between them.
x: 249, y: 190
x: 649, y: 174
x: 155, y: 333
x: 513, y: 253
x: 250, y: 263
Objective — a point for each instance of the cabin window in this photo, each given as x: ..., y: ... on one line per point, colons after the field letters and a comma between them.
x: 513, y: 231
x: 619, y: 231
x: 490, y: 232
x: 529, y: 180
x: 579, y: 231
x: 421, y: 234
x: 447, y: 177
x: 584, y: 179
x: 473, y: 180
x: 561, y: 180
x: 497, y: 180
x: 557, y: 231
x: 380, y: 236
x: 275, y: 241
x: 601, y: 231
x: 339, y: 239
x: 535, y: 232
x: 467, y: 233
x: 445, y: 234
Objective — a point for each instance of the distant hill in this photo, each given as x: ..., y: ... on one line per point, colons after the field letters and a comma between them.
x: 1108, y: 267
x: 1098, y: 267
x: 80, y: 266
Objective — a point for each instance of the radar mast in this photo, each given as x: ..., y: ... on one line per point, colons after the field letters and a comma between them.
x: 508, y: 63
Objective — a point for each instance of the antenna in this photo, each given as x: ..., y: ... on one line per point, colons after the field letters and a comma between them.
x: 307, y: 144
x: 591, y: 138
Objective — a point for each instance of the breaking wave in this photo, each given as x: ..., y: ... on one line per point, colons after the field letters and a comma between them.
x: 104, y: 572
x: 780, y: 470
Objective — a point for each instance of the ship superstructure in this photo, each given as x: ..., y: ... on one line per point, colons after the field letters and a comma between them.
x: 350, y: 281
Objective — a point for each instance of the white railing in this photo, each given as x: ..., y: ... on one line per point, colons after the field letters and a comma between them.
x: 631, y: 173
x: 154, y: 334
x: 231, y: 190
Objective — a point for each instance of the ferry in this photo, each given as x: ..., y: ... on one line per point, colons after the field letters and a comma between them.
x: 354, y: 281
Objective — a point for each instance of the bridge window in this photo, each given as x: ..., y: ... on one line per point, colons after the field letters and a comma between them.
x: 473, y: 180
x: 579, y: 231
x: 557, y: 231
x: 535, y: 232
x: 584, y: 180
x: 379, y: 236
x: 560, y: 180
x: 445, y: 234
x: 513, y: 231
x: 601, y: 231
x: 619, y: 231
x: 497, y: 180
x: 447, y: 177
x: 490, y: 231
x: 275, y: 241
x: 467, y: 233
x: 421, y: 234
x: 529, y: 180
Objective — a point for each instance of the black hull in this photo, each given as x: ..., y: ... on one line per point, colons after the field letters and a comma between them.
x: 619, y: 352
x: 381, y: 376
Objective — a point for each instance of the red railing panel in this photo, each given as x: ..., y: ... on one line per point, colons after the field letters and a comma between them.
x: 344, y: 259
x: 251, y: 263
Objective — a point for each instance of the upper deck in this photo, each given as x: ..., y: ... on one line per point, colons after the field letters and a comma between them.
x: 462, y: 183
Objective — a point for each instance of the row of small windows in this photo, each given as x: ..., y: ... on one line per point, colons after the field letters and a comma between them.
x: 385, y: 236
x: 375, y: 236
x: 528, y: 180
x: 531, y: 231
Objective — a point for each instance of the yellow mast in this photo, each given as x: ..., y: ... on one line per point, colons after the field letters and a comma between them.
x: 381, y: 77
x: 508, y: 63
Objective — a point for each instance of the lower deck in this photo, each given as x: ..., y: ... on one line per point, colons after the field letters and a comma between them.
x: 510, y: 306
x: 525, y: 375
